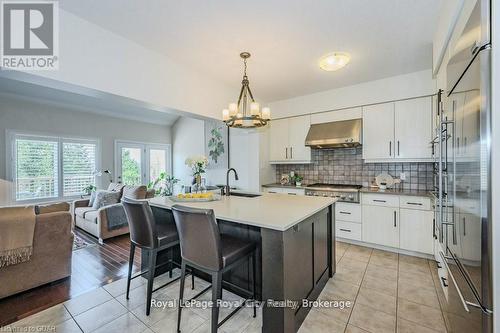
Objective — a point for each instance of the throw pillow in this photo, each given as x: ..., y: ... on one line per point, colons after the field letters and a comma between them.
x: 92, y: 198
x: 105, y: 198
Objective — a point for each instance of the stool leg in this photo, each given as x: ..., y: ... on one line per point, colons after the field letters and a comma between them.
x: 192, y: 279
x: 151, y: 276
x: 254, y: 265
x: 130, y: 265
x: 170, y: 261
x: 181, y: 294
x: 216, y: 294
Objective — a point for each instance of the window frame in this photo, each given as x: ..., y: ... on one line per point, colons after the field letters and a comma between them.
x: 145, y: 155
x: 11, y: 154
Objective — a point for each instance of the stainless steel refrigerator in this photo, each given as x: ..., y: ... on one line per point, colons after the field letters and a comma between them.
x: 462, y: 179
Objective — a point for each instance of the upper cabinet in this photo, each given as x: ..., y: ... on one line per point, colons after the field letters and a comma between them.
x: 398, y: 130
x: 287, y: 140
x: 412, y: 128
x: 378, y: 131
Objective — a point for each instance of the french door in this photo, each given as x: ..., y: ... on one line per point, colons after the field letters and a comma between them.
x: 139, y: 163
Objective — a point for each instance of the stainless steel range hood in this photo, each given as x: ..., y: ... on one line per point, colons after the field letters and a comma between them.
x: 337, y: 134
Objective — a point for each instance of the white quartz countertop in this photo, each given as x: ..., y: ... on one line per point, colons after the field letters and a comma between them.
x: 272, y: 211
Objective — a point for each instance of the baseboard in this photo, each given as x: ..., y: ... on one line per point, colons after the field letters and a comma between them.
x: 386, y: 248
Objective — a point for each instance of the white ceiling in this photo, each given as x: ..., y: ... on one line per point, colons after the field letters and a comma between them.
x: 285, y: 37
x: 97, y: 103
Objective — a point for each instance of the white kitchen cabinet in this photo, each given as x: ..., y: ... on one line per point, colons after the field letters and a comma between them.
x: 278, y: 138
x: 416, y: 230
x: 337, y: 115
x: 297, y: 132
x: 378, y: 131
x: 399, y: 130
x: 380, y: 225
x: 287, y: 140
x: 413, y: 126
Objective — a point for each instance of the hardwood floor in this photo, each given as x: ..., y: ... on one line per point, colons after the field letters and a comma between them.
x: 92, y: 267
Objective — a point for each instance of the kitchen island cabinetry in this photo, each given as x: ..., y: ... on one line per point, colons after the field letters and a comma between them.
x: 295, y: 237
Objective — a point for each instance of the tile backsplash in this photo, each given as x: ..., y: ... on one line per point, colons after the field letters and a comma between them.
x: 346, y: 166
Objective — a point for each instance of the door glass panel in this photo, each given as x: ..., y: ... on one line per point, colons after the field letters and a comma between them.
x: 131, y: 166
x: 157, y: 163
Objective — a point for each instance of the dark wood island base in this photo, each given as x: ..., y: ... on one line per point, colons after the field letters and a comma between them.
x: 292, y: 265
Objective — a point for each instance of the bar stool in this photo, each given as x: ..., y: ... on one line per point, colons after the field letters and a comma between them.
x: 146, y: 234
x: 203, y: 247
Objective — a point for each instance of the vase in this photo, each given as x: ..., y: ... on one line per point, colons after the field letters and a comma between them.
x: 197, y: 184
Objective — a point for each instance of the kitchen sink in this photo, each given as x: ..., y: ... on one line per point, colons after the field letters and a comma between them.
x: 246, y: 195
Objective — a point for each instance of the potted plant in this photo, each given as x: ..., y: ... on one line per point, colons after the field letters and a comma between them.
x: 163, y: 184
x: 298, y: 180
x: 87, y: 190
x: 198, y: 164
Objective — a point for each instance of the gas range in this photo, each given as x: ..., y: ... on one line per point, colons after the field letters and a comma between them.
x: 344, y: 192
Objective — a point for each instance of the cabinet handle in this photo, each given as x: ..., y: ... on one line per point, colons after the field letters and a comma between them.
x: 464, y: 225
x: 398, y: 147
x: 438, y: 265
x: 465, y: 145
x: 291, y: 152
x: 346, y: 230
x: 348, y: 213
x: 289, y: 193
x: 395, y: 219
x: 443, y: 281
x: 271, y: 192
x: 378, y: 200
x: 414, y: 203
x: 390, y: 148
x: 286, y: 152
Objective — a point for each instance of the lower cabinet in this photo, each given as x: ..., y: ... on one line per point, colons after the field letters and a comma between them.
x: 416, y: 230
x: 381, y: 225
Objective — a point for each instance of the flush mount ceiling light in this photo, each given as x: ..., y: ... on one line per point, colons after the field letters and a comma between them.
x: 334, y: 61
x: 246, y: 113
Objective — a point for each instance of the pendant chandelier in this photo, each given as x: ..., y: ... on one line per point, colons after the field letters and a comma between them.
x: 246, y: 113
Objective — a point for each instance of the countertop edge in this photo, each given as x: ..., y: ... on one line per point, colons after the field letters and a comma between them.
x: 285, y: 228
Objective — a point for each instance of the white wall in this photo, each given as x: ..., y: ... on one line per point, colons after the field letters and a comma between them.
x: 248, y: 155
x: 29, y: 116
x: 93, y: 57
x: 389, y: 89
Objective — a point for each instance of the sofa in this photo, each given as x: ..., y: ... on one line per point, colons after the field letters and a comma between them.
x: 97, y: 222
x: 52, y: 250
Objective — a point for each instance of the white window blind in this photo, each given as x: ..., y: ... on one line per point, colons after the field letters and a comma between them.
x: 51, y: 167
x: 79, y: 164
x: 37, y: 169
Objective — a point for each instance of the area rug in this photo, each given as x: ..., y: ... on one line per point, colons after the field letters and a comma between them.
x: 80, y: 243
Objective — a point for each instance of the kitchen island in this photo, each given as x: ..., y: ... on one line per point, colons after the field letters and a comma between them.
x: 296, y: 249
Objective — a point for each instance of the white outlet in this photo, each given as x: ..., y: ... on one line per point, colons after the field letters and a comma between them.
x: 402, y: 176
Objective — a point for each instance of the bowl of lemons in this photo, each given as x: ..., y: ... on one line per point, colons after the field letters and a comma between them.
x: 195, y: 197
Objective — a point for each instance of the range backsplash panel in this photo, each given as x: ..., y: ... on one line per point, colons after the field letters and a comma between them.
x: 346, y: 166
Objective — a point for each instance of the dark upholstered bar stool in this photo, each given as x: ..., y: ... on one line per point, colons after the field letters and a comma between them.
x: 149, y: 236
x: 203, y: 247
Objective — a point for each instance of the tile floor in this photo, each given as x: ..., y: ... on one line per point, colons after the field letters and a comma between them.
x: 388, y: 292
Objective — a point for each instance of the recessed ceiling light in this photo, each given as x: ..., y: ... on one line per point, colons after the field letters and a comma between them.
x: 334, y: 61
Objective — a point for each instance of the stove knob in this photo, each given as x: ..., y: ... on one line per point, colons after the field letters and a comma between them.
x: 324, y: 194
x: 332, y: 195
x: 315, y: 194
x: 351, y: 197
x: 342, y: 197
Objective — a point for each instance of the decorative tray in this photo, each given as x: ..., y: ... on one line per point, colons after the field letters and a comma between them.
x: 186, y: 198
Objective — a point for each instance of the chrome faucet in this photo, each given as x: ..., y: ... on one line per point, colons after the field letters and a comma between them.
x: 227, y: 188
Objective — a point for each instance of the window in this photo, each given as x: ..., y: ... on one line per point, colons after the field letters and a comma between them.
x: 45, y: 168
